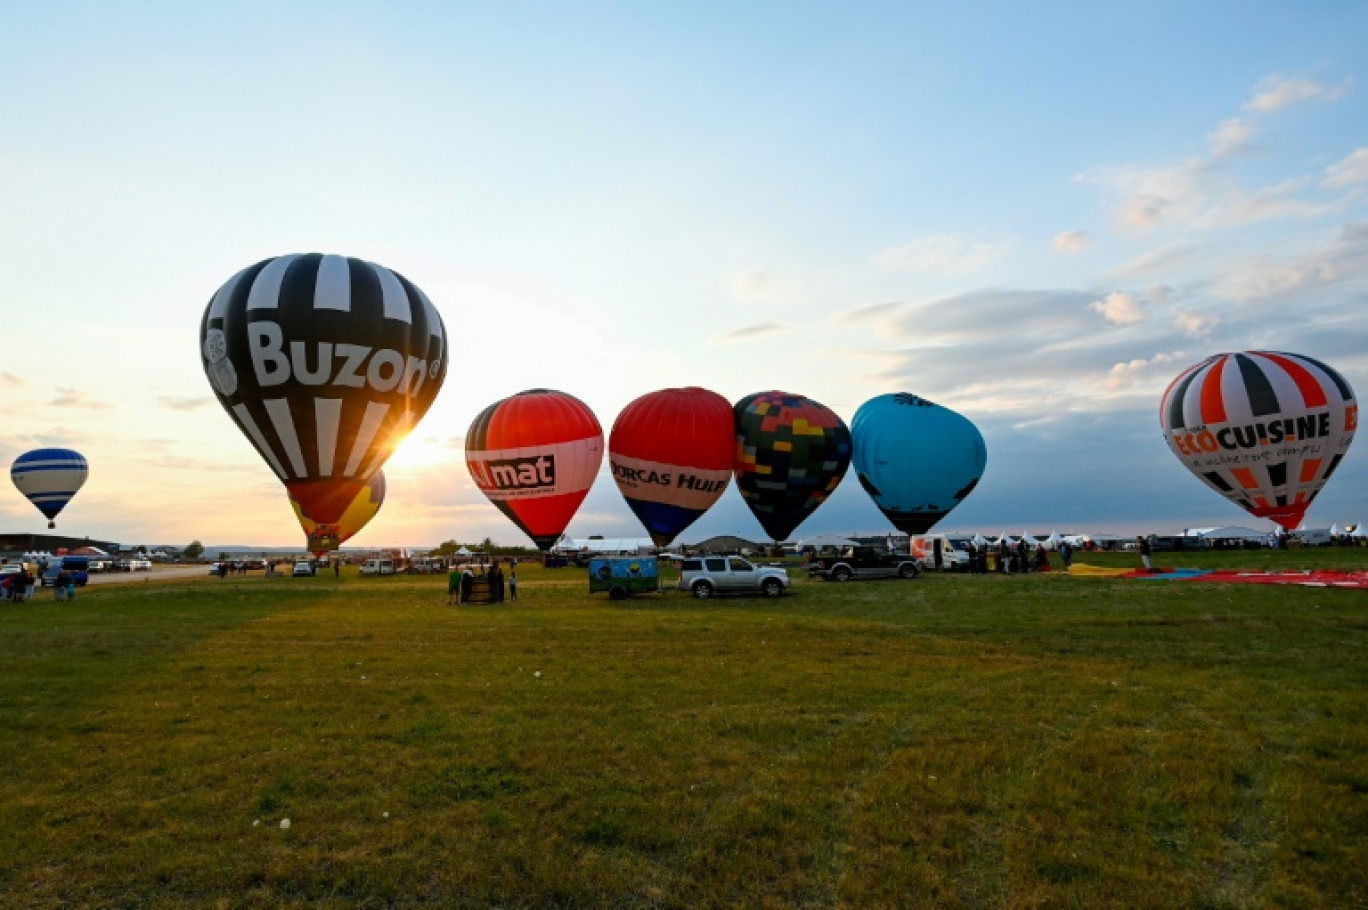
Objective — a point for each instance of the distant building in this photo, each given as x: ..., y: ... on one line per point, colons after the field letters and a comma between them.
x: 15, y: 544
x: 725, y: 544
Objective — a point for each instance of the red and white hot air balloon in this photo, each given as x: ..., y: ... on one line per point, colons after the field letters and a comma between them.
x: 535, y: 455
x: 1262, y: 428
x: 671, y: 453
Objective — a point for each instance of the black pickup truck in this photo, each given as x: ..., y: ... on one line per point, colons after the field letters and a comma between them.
x: 863, y: 562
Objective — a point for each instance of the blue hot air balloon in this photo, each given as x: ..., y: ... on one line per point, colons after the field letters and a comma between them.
x: 916, y: 459
x: 49, y: 478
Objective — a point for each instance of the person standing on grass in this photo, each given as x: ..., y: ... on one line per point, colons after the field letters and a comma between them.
x: 1065, y: 554
x: 513, y: 581
x: 454, y: 585
x: 1145, y: 553
x: 467, y: 584
x: 59, y: 585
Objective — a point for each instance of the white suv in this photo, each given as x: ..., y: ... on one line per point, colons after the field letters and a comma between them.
x: 705, y: 576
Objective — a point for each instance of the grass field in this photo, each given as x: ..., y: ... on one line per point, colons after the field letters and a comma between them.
x: 951, y: 741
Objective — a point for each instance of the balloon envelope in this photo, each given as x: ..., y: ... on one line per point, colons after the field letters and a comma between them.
x: 917, y: 460
x: 671, y: 454
x: 535, y: 455
x: 323, y: 538
x: 1262, y: 428
x: 791, y: 452
x: 48, y: 478
x: 325, y: 363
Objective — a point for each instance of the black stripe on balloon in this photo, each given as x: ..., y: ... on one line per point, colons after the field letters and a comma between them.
x: 1262, y: 399
x: 477, y: 437
x: 1334, y: 463
x: 1277, y: 474
x: 1282, y: 500
x: 1346, y: 393
x: 1175, y: 417
x: 1217, y: 481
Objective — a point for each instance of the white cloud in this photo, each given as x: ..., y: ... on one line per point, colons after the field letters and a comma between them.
x: 753, y: 331
x: 1120, y: 308
x: 1159, y: 294
x: 752, y: 286
x: 1352, y: 169
x: 943, y: 253
x: 1231, y: 137
x: 1069, y: 242
x: 1131, y: 373
x: 1277, y: 92
x: 1194, y: 324
x: 1264, y: 278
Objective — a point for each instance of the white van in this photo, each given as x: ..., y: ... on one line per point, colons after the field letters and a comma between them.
x: 954, y: 551
x: 377, y: 567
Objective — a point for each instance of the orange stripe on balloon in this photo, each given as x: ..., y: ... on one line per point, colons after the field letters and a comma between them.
x: 1213, y: 405
x: 1245, y: 477
x: 1310, y: 468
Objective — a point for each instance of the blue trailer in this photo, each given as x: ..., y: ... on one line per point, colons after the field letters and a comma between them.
x: 624, y: 576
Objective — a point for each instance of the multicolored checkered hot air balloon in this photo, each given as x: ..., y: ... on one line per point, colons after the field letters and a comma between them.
x: 48, y: 478
x: 1264, y: 429
x: 535, y: 455
x: 791, y: 453
x: 671, y: 453
x: 324, y: 538
x: 916, y: 459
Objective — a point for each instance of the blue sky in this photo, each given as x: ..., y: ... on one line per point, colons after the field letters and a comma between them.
x: 1034, y: 216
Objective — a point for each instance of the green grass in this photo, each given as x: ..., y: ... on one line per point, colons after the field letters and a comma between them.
x: 951, y: 741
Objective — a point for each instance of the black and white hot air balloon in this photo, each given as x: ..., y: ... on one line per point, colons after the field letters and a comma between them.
x: 325, y: 363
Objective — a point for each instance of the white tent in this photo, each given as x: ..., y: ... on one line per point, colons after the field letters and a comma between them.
x: 1053, y: 541
x: 820, y: 541
x: 1230, y: 532
x: 1336, y: 530
x: 463, y: 552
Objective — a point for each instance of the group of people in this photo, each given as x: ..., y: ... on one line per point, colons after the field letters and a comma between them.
x: 17, y: 586
x: 461, y: 583
x: 1014, y: 557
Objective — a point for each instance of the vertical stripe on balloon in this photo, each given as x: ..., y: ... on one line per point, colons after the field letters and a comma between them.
x: 249, y: 425
x: 365, y: 434
x: 278, y: 409
x: 327, y: 418
x: 332, y: 284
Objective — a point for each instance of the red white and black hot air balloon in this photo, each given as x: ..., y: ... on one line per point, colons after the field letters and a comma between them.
x: 535, y: 455
x: 325, y: 363
x: 671, y: 453
x: 1262, y: 428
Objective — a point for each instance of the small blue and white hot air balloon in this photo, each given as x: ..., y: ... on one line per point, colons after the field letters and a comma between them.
x: 49, y: 478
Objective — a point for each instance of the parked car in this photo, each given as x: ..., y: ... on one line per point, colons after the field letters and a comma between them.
x: 78, y: 567
x: 708, y: 575
x: 863, y: 562
x: 303, y: 567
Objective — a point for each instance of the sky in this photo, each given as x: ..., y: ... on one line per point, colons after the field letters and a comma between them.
x: 1037, y: 215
